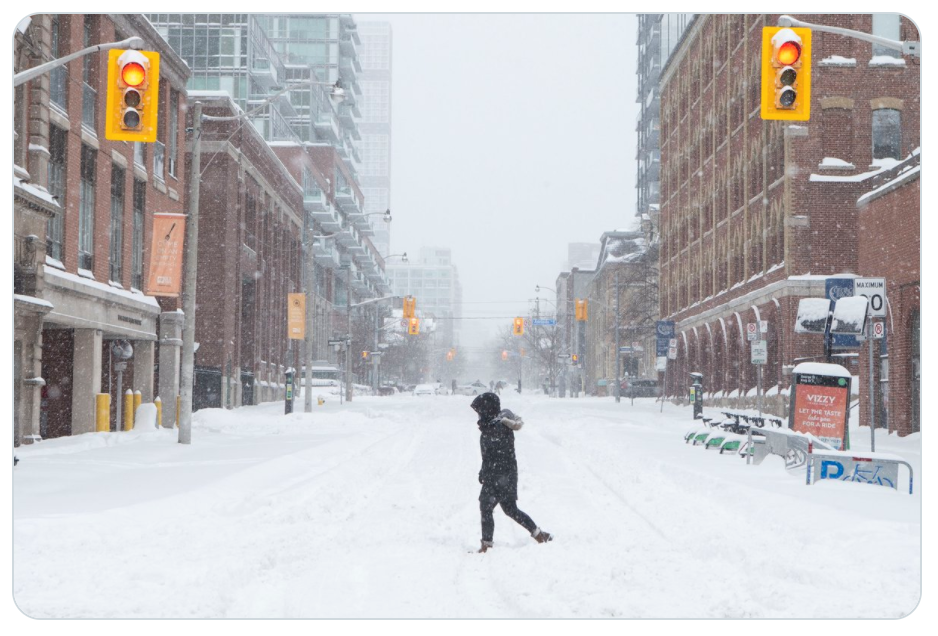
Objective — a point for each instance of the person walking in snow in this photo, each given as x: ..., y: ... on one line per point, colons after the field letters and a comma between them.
x: 499, y: 473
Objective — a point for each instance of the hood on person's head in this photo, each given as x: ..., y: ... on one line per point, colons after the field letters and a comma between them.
x: 487, y: 405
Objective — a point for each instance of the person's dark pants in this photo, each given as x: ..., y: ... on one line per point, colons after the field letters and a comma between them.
x: 510, y: 508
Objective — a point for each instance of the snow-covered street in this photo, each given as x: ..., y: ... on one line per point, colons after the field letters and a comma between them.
x: 370, y: 509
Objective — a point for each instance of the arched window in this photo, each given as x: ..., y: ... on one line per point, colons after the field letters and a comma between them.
x: 887, y: 136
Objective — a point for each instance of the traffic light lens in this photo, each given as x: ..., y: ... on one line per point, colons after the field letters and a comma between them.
x: 787, y: 97
x: 132, y: 97
x: 131, y: 119
x: 133, y: 74
x: 787, y: 76
x: 788, y: 53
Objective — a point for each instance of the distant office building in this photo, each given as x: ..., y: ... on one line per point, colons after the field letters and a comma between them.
x: 375, y: 127
x: 582, y: 255
x: 434, y: 281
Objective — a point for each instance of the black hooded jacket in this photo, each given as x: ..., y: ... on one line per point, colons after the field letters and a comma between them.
x: 499, y: 474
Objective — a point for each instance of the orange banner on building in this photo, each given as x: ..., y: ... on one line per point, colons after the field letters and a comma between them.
x: 169, y: 232
x: 296, y: 316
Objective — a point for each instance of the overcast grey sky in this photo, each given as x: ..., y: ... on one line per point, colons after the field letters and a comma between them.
x: 512, y: 136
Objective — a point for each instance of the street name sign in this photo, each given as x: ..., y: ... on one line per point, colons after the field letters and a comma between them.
x: 544, y: 322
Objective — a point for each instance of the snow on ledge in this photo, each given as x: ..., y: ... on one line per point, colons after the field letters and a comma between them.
x: 833, y: 162
x: 33, y: 300
x: 81, y: 280
x: 886, y: 60
x: 838, y: 60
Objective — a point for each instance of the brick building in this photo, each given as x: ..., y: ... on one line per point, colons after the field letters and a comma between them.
x: 757, y: 214
x: 88, y: 260
x: 890, y: 247
x: 250, y: 258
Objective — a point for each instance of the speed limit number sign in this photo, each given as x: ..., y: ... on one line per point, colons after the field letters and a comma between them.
x: 875, y: 291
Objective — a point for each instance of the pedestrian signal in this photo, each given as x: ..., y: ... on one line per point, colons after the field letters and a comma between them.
x: 133, y: 82
x: 413, y: 327
x: 786, y: 73
x: 410, y: 306
x: 518, y: 328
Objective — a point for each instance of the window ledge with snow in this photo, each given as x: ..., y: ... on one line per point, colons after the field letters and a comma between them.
x: 887, y: 60
x: 833, y: 163
x: 837, y: 60
x: 86, y: 273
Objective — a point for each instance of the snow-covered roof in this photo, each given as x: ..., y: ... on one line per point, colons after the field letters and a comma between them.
x: 51, y: 273
x: 37, y: 191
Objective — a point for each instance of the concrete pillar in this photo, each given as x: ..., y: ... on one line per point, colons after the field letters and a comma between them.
x: 144, y: 357
x: 170, y: 350
x: 86, y: 379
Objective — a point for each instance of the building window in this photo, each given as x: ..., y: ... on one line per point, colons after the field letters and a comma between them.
x: 117, y: 222
x: 140, y: 193
x: 55, y: 229
x: 173, y: 130
x: 886, y: 134
x: 89, y: 96
x: 140, y: 154
x: 86, y: 209
x: 58, y: 77
x: 886, y: 25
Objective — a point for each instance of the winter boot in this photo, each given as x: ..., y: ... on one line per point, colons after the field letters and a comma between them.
x: 485, y: 546
x: 542, y: 537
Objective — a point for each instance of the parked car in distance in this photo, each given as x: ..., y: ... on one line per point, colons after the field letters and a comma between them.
x: 638, y: 387
x: 424, y: 389
x: 475, y: 388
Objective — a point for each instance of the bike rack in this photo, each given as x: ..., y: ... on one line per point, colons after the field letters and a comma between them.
x: 851, y: 467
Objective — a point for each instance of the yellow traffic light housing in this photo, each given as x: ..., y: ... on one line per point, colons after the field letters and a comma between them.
x: 133, y: 83
x: 575, y: 357
x: 786, y: 73
x: 518, y: 327
x: 410, y: 306
x: 579, y: 309
x: 413, y: 327
x: 364, y: 354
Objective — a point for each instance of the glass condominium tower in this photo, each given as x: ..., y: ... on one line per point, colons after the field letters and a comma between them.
x: 375, y: 126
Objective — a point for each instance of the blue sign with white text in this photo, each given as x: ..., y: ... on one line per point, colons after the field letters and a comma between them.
x: 664, y: 331
x: 834, y: 289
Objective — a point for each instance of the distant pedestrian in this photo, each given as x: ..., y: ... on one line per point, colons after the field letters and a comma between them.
x: 499, y: 473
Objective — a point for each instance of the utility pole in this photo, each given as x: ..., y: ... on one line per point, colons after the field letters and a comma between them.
x: 188, y: 291
x: 348, y: 342
x: 310, y: 275
x: 618, y: 355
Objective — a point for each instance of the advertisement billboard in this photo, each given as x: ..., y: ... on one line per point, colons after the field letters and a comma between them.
x: 820, y: 403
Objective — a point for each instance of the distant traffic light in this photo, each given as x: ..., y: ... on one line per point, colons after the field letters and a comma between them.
x: 413, y: 327
x: 133, y: 82
x: 579, y: 309
x: 364, y: 354
x: 410, y: 306
x: 575, y: 358
x: 518, y: 327
x: 504, y: 355
x: 450, y: 354
x: 786, y: 73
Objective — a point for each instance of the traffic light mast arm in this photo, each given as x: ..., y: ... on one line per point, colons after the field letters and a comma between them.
x: 373, y: 300
x: 133, y: 42
x: 906, y: 48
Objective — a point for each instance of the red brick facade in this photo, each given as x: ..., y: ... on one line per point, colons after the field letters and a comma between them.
x: 752, y: 215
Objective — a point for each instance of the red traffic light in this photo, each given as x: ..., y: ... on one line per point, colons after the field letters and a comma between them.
x: 788, y: 53
x: 133, y: 74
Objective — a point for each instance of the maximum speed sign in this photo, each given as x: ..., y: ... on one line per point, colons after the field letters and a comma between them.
x: 875, y: 291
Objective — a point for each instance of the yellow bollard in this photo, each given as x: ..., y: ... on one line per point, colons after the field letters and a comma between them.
x: 159, y: 411
x: 138, y: 399
x: 178, y: 407
x: 129, y: 410
x: 102, y: 412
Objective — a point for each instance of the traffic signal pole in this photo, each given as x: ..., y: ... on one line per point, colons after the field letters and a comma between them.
x: 136, y: 43
x: 906, y: 48
x: 188, y: 290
